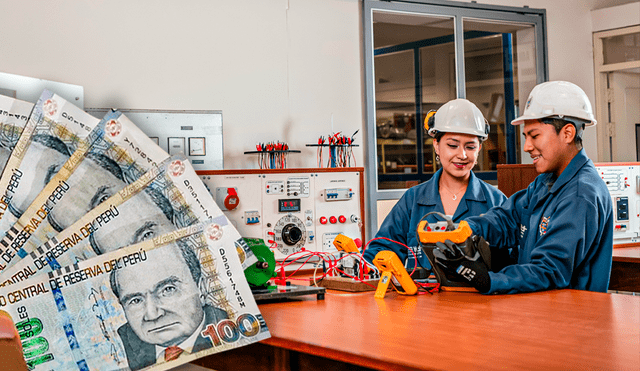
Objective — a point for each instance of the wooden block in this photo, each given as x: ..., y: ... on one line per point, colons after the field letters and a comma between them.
x: 348, y: 284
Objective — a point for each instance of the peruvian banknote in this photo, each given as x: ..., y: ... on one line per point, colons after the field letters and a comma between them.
x: 14, y: 114
x: 55, y: 130
x: 119, y: 156
x: 54, y: 191
x: 165, y: 198
x: 121, y: 310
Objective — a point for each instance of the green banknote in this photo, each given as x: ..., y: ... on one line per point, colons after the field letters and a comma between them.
x: 152, y: 305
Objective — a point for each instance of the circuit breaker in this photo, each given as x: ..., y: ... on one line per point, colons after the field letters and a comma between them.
x: 291, y: 209
x: 623, y: 182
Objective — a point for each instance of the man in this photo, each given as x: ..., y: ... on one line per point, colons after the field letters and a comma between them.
x: 562, y: 223
x: 164, y: 306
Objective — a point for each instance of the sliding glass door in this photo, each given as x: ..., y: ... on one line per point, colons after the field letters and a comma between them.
x: 418, y: 56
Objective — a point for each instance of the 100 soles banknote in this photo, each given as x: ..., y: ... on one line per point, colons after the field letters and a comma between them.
x: 128, y: 217
x: 153, y: 305
x: 121, y: 155
x: 55, y: 130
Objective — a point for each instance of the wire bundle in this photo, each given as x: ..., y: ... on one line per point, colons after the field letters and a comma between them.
x: 272, y: 155
x: 331, y: 266
x: 340, y: 150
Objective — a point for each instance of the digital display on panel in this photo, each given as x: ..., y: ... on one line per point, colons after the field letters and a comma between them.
x: 291, y: 205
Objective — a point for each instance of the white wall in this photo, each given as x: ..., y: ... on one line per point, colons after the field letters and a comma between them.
x: 278, y: 69
x: 616, y: 17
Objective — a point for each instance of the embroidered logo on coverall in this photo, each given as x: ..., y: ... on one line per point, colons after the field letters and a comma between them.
x: 544, y: 224
x: 522, y: 230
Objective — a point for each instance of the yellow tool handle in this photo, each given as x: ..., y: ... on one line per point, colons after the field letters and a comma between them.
x: 388, y: 262
x: 383, y: 285
x: 344, y: 243
x: 459, y: 235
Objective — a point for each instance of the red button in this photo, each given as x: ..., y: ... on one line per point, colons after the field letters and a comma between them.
x: 333, y: 220
x: 323, y: 220
x: 358, y: 242
x: 342, y: 219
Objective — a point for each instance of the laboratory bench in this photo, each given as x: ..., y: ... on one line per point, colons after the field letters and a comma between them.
x: 557, y: 329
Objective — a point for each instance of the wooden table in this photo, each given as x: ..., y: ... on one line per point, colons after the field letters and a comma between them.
x: 625, y: 269
x: 561, y: 329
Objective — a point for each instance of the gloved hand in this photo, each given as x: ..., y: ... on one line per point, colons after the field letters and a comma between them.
x: 453, y: 260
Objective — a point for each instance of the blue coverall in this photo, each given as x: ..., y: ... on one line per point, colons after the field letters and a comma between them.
x: 402, y: 222
x: 564, y: 230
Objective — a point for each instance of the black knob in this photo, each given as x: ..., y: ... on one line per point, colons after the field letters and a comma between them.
x: 291, y: 234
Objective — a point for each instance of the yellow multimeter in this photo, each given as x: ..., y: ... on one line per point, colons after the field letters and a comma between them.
x: 430, y: 234
x: 390, y: 266
x: 458, y: 235
x: 346, y: 244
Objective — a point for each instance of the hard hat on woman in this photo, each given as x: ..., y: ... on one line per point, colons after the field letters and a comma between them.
x: 457, y: 116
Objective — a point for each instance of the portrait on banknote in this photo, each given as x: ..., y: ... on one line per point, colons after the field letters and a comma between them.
x: 165, y: 305
x: 55, y: 129
x: 163, y: 199
x: 157, y: 304
x: 120, y: 155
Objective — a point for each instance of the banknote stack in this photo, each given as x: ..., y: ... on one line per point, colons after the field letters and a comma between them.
x: 113, y: 254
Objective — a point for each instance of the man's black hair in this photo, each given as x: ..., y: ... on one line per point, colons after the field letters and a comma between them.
x: 559, y: 123
x: 51, y: 142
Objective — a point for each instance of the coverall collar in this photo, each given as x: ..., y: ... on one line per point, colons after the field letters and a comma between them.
x: 430, y: 195
x: 570, y: 171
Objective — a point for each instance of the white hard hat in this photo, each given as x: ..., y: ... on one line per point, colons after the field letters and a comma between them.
x: 457, y: 116
x: 558, y: 99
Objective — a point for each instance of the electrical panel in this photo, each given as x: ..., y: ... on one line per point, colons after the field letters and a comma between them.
x: 623, y: 182
x: 291, y: 209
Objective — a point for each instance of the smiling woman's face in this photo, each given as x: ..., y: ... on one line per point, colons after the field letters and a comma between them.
x: 458, y: 153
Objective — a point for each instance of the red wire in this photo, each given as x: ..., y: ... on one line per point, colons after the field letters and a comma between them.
x: 333, y: 263
x: 390, y: 240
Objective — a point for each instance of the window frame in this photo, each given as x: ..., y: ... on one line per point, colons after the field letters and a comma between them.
x: 458, y: 11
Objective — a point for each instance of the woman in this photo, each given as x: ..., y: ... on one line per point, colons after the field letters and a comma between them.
x: 458, y: 129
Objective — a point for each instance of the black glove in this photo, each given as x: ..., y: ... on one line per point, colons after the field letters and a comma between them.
x: 453, y: 260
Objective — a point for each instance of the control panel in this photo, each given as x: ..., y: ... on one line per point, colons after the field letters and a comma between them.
x: 623, y: 182
x: 291, y: 209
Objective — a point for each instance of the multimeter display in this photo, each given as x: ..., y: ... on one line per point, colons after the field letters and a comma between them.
x: 285, y: 206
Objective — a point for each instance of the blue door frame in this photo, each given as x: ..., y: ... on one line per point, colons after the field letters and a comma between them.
x: 507, y: 64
